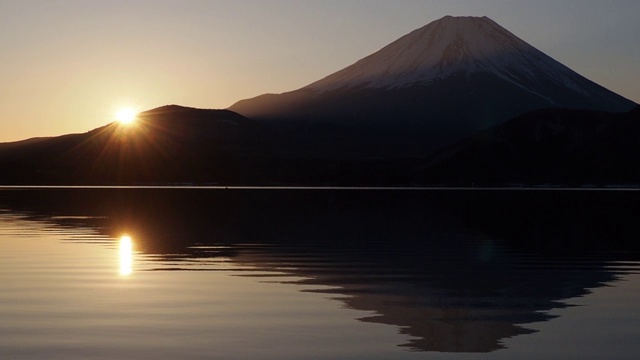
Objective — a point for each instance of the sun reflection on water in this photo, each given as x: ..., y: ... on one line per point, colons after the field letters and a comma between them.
x: 126, y: 255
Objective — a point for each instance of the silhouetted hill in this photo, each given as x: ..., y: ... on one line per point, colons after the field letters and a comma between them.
x: 167, y: 144
x: 178, y: 145
x: 552, y: 147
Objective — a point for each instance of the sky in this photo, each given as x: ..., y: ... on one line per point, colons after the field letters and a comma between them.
x: 67, y: 66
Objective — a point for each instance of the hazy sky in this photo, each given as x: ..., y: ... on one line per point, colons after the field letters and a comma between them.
x: 66, y: 66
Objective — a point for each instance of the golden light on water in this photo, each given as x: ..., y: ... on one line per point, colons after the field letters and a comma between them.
x: 126, y: 255
x: 126, y: 116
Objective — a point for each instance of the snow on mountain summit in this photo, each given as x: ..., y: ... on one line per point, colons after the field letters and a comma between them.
x: 453, y: 45
x: 448, y: 79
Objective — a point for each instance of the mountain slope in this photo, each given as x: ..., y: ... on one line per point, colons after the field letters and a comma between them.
x: 438, y: 84
x: 453, y: 45
x: 177, y: 145
x: 551, y: 146
x: 167, y: 144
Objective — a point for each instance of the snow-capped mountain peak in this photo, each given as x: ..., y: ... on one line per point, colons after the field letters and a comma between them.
x: 452, y: 45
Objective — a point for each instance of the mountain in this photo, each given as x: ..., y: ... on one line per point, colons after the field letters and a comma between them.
x: 545, y: 147
x: 438, y: 84
x: 167, y: 144
x: 442, y: 105
x: 180, y: 145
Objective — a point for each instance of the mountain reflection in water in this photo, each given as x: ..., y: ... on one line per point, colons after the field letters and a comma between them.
x: 456, y: 271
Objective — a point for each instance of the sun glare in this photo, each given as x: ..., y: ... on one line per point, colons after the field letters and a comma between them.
x: 126, y: 255
x: 126, y: 116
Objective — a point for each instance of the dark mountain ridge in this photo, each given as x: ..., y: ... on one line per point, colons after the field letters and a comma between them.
x: 545, y: 147
x: 167, y: 144
x: 176, y: 145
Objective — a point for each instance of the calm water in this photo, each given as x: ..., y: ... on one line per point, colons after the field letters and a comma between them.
x: 326, y: 274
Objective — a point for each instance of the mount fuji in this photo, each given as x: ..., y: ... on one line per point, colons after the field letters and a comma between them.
x: 459, y: 102
x: 436, y: 85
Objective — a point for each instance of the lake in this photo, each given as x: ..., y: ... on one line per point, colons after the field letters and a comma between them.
x: 188, y: 273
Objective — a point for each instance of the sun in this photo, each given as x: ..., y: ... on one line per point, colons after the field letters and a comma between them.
x: 126, y: 116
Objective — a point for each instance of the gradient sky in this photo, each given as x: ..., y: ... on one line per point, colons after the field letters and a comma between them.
x: 67, y: 66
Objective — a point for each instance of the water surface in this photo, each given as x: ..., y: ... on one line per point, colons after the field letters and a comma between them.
x: 340, y: 274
